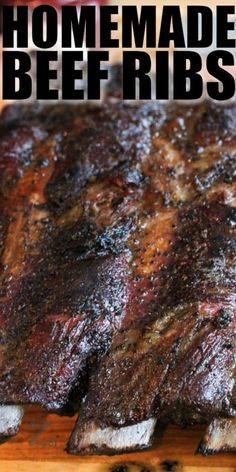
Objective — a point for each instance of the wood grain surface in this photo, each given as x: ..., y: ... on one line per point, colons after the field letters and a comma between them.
x: 39, y: 447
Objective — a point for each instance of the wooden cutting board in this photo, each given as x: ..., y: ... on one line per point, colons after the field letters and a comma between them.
x: 39, y: 447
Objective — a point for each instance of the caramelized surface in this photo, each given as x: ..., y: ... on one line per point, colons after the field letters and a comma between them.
x: 118, y: 237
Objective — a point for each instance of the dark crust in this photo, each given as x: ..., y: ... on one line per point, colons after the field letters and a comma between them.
x: 179, y: 364
x: 117, y: 238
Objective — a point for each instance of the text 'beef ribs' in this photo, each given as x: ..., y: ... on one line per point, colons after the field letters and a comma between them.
x: 118, y: 267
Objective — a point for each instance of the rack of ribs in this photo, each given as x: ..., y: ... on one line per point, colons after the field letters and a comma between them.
x: 118, y: 267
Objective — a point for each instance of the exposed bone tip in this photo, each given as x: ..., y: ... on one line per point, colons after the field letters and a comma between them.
x: 220, y: 437
x: 91, y: 439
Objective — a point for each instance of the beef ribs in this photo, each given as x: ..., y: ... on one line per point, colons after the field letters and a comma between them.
x: 177, y: 366
x: 63, y: 290
x: 118, y: 253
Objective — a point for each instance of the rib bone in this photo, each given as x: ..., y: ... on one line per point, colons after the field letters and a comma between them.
x: 220, y: 437
x: 10, y: 421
